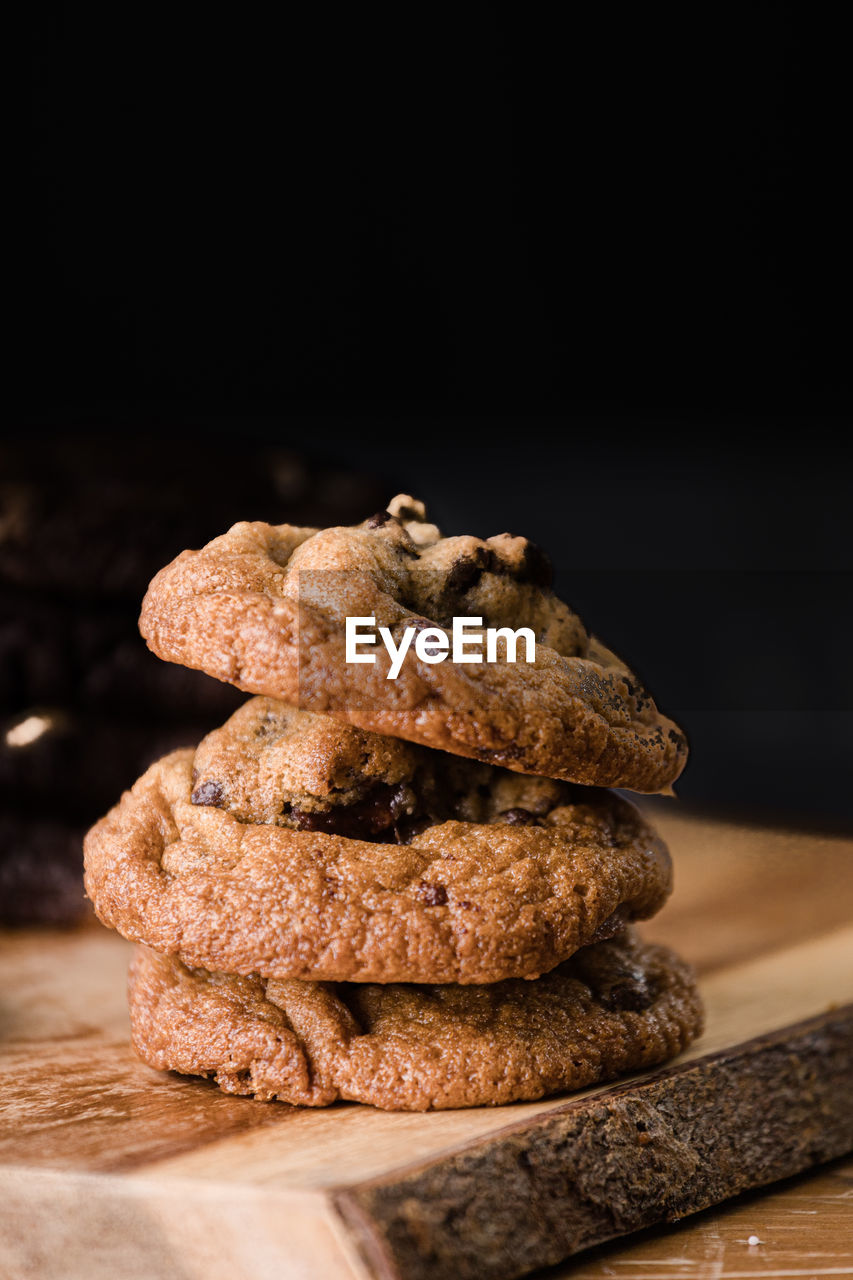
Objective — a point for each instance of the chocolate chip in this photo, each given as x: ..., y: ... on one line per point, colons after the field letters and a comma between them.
x: 315, y: 819
x: 434, y: 895
x: 463, y: 575
x: 519, y: 817
x: 466, y: 572
x: 364, y: 820
x: 377, y: 521
x: 535, y: 568
x: 209, y: 793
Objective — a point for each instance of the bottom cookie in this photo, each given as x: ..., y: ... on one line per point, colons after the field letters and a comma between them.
x: 612, y: 1008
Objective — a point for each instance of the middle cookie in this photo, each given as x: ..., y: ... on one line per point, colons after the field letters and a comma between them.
x: 291, y: 845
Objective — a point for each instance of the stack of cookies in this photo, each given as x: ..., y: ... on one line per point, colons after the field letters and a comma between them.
x: 411, y: 892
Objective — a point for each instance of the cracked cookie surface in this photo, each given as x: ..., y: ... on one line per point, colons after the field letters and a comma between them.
x: 618, y: 1006
x: 264, y: 607
x: 294, y: 846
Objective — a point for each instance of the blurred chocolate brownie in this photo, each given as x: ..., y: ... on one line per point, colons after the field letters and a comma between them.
x: 85, y: 523
x: 99, y: 515
x: 92, y: 658
x: 55, y: 762
x: 41, y: 871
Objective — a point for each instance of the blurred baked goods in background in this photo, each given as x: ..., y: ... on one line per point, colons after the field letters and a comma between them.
x: 85, y: 522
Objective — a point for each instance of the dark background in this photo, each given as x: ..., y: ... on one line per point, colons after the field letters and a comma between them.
x: 584, y: 279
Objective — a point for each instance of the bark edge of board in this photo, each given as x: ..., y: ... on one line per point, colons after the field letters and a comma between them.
x: 640, y: 1154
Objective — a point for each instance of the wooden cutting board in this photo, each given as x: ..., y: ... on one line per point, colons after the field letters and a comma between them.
x: 110, y: 1170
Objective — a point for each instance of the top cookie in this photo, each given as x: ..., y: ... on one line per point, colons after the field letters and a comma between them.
x: 264, y: 608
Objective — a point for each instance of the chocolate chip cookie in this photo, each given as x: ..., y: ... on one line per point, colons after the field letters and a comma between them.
x: 614, y: 1007
x: 264, y: 607
x: 296, y: 846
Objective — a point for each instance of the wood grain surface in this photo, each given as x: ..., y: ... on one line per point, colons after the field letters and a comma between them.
x: 803, y: 1227
x: 110, y: 1169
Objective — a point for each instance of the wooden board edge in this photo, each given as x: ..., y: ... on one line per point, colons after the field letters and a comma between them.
x: 642, y: 1153
x: 98, y: 1226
